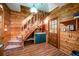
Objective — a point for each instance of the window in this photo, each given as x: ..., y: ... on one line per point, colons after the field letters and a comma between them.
x: 53, y: 26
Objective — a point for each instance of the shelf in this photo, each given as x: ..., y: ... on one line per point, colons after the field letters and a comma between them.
x: 66, y: 20
x: 68, y: 25
x: 74, y: 21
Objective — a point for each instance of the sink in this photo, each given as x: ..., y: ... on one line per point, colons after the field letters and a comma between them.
x: 40, y: 32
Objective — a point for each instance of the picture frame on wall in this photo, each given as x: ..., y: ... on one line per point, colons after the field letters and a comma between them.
x: 72, y: 27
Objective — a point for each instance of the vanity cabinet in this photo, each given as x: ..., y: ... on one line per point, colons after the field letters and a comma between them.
x: 40, y: 37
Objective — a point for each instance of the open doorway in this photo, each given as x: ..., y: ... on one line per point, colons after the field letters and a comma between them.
x: 29, y: 40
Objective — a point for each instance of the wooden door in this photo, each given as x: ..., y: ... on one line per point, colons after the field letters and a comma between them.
x: 53, y: 36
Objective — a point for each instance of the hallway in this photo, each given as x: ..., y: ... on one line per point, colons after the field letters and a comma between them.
x: 38, y: 50
x: 24, y: 32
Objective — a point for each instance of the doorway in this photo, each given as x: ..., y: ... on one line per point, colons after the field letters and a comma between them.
x: 53, y: 36
x: 29, y: 40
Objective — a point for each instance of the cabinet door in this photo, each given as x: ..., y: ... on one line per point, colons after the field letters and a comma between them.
x: 43, y: 36
x: 40, y: 38
x: 37, y: 38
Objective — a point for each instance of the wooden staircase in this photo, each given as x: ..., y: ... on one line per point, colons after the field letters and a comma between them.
x: 17, y: 43
x: 13, y: 45
x: 29, y: 27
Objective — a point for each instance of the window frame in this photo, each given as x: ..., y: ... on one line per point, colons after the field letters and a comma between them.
x: 54, y: 28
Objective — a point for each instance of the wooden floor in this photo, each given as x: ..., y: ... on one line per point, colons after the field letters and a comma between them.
x: 42, y: 49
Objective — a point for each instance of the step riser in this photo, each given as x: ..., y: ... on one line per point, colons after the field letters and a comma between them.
x: 14, y: 43
x: 12, y: 50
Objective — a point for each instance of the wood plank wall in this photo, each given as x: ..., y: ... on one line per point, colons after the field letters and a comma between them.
x: 67, y: 44
x: 1, y: 23
x: 6, y: 18
x: 69, y: 40
x: 12, y: 22
x: 16, y: 23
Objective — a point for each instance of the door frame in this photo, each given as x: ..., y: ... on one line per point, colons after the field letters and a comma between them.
x: 58, y: 30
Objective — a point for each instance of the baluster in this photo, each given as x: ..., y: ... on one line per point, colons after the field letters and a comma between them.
x: 32, y: 20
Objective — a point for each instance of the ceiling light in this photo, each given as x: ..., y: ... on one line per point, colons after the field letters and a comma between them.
x: 33, y: 10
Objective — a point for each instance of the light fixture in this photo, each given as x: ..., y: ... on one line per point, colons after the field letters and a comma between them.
x: 33, y: 9
x: 5, y: 29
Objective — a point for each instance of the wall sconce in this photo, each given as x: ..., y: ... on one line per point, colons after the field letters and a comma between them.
x: 5, y: 28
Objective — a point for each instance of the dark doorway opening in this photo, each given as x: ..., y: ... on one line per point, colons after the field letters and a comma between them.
x: 29, y: 40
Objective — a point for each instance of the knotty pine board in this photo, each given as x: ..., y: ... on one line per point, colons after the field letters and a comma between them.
x: 69, y: 41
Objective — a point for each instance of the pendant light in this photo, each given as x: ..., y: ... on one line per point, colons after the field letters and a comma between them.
x: 33, y: 9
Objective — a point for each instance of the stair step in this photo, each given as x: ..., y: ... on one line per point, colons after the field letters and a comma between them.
x: 14, y: 43
x: 14, y: 40
x: 30, y: 39
x: 12, y: 47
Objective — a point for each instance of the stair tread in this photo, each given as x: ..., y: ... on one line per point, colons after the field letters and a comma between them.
x: 14, y: 40
x: 12, y: 46
x: 30, y: 39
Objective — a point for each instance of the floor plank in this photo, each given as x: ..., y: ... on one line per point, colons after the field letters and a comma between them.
x: 42, y: 49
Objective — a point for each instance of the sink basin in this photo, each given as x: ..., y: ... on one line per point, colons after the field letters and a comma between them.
x: 40, y: 33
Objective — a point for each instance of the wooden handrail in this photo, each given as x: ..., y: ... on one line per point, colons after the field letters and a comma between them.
x: 32, y: 24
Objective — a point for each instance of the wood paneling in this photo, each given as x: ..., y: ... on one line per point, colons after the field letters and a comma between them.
x: 67, y: 42
x: 1, y: 30
x: 1, y: 23
x: 6, y: 18
x: 17, y: 19
x: 13, y: 22
x: 16, y: 23
x: 69, y: 39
